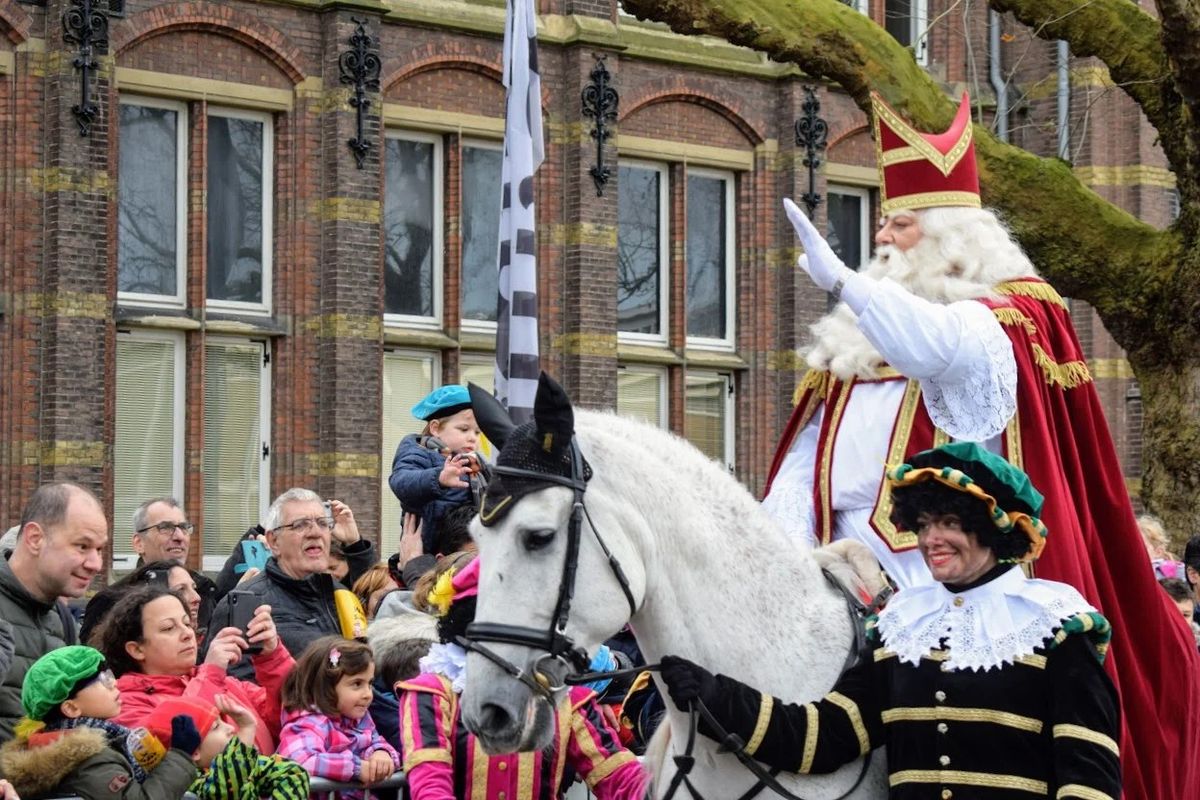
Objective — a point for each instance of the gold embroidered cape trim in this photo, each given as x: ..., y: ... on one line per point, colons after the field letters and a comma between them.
x: 1038, y: 290
x: 1006, y: 315
x: 1068, y: 375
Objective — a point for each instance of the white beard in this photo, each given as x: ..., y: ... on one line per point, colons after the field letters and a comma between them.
x: 842, y: 349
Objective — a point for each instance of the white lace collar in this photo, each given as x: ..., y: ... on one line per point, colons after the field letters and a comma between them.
x: 985, y: 627
x: 447, y: 659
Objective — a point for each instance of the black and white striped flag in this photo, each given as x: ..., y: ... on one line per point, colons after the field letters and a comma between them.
x: 516, y: 317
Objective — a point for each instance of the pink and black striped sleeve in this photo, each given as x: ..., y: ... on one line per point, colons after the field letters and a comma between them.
x: 427, y: 719
x: 594, y: 748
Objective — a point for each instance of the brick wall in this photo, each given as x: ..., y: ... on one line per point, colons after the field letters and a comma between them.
x: 325, y: 332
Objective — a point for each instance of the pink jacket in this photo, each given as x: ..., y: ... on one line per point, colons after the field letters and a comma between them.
x: 332, y: 748
x: 141, y: 693
x: 443, y: 761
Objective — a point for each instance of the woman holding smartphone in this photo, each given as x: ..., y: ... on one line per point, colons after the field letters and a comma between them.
x: 149, y: 644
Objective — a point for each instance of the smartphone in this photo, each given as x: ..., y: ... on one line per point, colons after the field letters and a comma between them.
x: 241, y: 611
x: 328, y: 510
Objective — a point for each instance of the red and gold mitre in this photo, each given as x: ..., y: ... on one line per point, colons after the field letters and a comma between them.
x: 923, y: 170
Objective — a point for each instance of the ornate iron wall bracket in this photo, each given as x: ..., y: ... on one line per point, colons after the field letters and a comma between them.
x: 85, y: 25
x: 360, y: 68
x: 600, y: 103
x: 811, y: 134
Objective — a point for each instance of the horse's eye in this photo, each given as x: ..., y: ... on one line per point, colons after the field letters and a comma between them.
x: 536, y: 540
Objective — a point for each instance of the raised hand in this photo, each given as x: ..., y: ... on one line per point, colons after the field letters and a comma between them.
x: 819, y: 260
x: 345, y: 529
x: 226, y: 648
x: 247, y: 725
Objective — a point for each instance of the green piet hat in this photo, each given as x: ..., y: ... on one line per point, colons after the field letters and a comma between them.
x: 966, y: 467
x: 55, y: 677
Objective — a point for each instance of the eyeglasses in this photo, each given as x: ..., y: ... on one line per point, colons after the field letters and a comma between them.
x: 306, y: 524
x: 104, y: 677
x: 167, y: 528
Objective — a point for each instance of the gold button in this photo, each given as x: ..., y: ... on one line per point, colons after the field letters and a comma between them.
x: 944, y: 761
x: 958, y: 601
x: 499, y: 795
x: 947, y: 794
x: 942, y: 727
x: 503, y: 765
x: 939, y: 695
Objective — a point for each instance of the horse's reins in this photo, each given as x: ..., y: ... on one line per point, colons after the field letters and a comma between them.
x: 558, y: 646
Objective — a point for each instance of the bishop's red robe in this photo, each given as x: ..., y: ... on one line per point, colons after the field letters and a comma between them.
x: 1060, y: 438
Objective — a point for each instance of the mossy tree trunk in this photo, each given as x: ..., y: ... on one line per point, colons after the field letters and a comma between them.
x: 1144, y: 282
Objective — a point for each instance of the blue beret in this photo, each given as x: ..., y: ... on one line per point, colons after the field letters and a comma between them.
x: 442, y: 402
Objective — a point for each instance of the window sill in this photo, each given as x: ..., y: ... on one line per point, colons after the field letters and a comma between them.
x: 714, y: 359
x: 477, y: 340
x: 413, y: 337
x: 628, y: 353
x: 214, y: 322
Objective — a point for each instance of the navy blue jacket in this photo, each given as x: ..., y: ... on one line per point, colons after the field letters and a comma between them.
x: 414, y: 481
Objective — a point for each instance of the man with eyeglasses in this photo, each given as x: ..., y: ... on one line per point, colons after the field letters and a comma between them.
x: 162, y: 532
x: 295, y: 582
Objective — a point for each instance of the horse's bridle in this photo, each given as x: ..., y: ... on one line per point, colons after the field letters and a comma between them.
x: 554, y: 640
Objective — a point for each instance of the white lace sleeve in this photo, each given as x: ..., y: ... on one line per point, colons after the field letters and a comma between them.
x: 958, y: 352
x: 975, y: 401
x: 790, y: 504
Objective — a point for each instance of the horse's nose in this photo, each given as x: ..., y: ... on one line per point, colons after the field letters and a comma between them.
x: 495, y: 719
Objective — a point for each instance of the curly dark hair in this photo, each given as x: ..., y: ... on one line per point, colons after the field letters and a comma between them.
x: 98, y: 608
x: 931, y: 497
x: 454, y: 624
x: 124, y: 624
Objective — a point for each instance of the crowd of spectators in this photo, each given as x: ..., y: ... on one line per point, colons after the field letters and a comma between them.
x: 289, y: 664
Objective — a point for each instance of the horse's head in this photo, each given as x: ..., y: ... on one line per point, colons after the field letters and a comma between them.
x: 537, y: 552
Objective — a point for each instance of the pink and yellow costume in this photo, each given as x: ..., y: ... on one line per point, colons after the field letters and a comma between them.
x: 443, y: 760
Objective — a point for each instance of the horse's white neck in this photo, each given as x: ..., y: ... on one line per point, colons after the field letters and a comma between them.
x: 724, y: 587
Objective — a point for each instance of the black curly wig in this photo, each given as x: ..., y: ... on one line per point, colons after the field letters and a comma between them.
x: 931, y: 497
x: 454, y: 624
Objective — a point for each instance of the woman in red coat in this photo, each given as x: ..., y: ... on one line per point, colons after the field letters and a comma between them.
x: 150, y: 646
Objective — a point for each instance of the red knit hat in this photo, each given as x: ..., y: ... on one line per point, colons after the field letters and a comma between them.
x: 925, y: 170
x: 203, y: 714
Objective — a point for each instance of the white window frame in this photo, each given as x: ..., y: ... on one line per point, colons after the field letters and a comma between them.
x: 179, y: 299
x: 865, y: 229
x: 726, y: 343
x: 729, y: 399
x: 861, y: 6
x: 473, y: 325
x: 660, y: 375
x: 268, y: 213
x: 439, y: 224
x: 126, y: 561
x: 435, y: 359
x: 918, y: 23
x: 664, y: 255
x: 213, y: 562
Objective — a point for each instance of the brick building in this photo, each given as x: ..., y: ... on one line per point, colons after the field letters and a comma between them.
x: 208, y: 296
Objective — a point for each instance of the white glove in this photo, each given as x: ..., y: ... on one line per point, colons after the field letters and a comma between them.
x: 822, y: 264
x: 819, y: 260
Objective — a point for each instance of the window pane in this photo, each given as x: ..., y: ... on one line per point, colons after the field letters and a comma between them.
x: 145, y: 437
x: 639, y: 395
x: 147, y: 233
x: 706, y: 243
x: 639, y: 231
x: 232, y: 443
x: 481, y: 232
x: 898, y: 20
x: 406, y: 379
x: 235, y: 209
x: 845, y: 227
x: 408, y: 228
x: 480, y: 373
x: 705, y: 406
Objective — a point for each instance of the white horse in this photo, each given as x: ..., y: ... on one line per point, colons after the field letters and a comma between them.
x: 712, y: 577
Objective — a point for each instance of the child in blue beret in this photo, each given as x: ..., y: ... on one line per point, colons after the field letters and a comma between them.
x: 431, y: 469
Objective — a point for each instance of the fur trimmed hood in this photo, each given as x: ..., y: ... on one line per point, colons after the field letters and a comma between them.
x: 40, y: 763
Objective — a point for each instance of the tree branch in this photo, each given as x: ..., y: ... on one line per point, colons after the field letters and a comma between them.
x: 1083, y: 244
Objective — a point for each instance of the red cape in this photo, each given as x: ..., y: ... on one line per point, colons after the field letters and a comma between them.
x: 1094, y: 543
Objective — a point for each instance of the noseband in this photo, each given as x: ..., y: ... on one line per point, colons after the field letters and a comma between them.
x: 553, y: 641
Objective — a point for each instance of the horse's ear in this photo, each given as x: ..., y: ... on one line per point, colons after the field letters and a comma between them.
x: 490, y: 415
x: 553, y: 415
